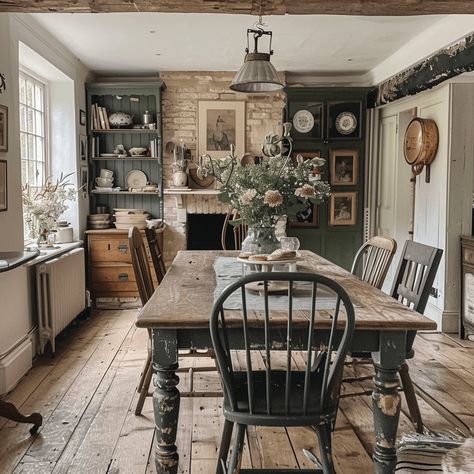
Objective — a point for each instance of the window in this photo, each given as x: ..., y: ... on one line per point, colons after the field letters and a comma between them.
x: 33, y: 137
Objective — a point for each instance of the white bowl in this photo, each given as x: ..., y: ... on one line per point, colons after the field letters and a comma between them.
x: 123, y: 226
x: 98, y: 217
x: 129, y: 211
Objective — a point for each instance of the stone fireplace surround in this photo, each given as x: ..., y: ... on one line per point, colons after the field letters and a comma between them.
x: 263, y: 114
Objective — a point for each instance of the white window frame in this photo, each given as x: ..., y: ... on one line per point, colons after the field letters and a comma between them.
x: 32, y: 77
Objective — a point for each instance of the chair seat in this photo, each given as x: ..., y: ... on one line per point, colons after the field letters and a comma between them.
x: 278, y: 415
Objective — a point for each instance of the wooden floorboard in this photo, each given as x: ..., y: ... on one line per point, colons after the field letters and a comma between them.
x: 86, y: 394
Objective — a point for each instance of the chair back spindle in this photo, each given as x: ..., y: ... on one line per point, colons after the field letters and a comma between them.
x: 140, y: 265
x: 156, y: 254
x: 275, y: 393
x: 415, y: 275
x: 376, y: 254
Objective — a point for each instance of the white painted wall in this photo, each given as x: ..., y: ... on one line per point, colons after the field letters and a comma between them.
x: 442, y: 207
x: 16, y: 319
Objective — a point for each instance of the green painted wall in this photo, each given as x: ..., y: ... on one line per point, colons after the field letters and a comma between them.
x: 336, y: 243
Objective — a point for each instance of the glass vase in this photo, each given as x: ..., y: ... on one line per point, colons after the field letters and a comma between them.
x: 261, y: 239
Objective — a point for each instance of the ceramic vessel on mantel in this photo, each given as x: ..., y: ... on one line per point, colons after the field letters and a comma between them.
x: 180, y: 178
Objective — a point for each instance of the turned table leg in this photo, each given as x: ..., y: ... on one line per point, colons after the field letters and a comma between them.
x: 166, y: 399
x: 386, y: 399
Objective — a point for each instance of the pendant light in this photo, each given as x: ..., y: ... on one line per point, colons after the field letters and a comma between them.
x: 257, y: 73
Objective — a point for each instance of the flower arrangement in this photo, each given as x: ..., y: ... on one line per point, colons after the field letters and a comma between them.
x: 266, y: 188
x: 43, y: 207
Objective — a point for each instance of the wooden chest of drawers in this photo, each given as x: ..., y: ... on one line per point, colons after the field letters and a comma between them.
x: 110, y: 271
x: 467, y: 300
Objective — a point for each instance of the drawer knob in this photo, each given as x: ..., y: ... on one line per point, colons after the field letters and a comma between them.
x: 123, y: 248
x: 123, y: 276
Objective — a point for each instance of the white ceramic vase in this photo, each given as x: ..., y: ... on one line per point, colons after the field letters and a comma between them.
x: 180, y: 178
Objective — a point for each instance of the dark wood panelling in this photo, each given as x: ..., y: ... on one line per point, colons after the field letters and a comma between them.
x: 250, y: 7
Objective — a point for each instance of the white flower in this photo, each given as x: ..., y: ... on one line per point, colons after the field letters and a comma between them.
x: 273, y: 198
x: 248, y: 196
x: 305, y: 191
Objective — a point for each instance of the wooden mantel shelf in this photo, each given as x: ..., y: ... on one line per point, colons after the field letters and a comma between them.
x: 200, y: 192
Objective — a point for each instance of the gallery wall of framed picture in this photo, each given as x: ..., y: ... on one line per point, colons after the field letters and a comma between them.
x: 331, y: 122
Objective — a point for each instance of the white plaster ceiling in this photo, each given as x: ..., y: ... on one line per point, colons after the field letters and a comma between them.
x: 139, y: 43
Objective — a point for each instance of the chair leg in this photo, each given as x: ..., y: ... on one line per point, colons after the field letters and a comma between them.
x: 237, y: 448
x: 325, y: 449
x: 144, y: 371
x: 145, y: 389
x: 224, y: 447
x: 410, y: 397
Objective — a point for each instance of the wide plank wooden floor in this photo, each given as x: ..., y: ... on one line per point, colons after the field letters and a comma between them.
x: 86, y: 394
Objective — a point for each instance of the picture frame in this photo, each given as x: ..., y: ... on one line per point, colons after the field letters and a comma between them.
x: 220, y: 124
x: 307, y: 119
x: 343, y: 167
x: 3, y: 186
x: 83, y: 148
x: 308, y: 155
x: 3, y: 128
x: 82, y: 117
x: 84, y: 180
x: 308, y: 218
x: 343, y: 208
x: 344, y: 120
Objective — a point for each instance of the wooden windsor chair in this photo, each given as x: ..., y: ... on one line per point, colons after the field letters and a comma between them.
x: 412, y: 286
x: 239, y: 231
x: 375, y: 257
x: 145, y: 289
x: 273, y: 396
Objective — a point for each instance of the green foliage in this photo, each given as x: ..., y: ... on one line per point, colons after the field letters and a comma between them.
x: 272, y: 186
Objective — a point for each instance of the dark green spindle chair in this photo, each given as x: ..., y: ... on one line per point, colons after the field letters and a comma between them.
x: 281, y: 397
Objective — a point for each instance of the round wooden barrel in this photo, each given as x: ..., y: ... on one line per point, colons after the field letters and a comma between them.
x: 421, y: 143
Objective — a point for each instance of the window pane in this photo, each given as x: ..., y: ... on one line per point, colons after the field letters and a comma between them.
x: 38, y: 97
x: 31, y: 180
x: 23, y: 146
x: 40, y: 173
x: 22, y: 90
x: 39, y: 123
x: 39, y: 149
x: 29, y: 93
x: 31, y: 147
x: 30, y: 124
x: 24, y: 168
x: 23, y: 118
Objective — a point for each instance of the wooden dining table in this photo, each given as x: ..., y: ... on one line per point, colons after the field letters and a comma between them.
x: 178, y: 315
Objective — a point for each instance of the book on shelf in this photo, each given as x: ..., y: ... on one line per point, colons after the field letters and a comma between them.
x: 106, y: 118
x: 101, y: 117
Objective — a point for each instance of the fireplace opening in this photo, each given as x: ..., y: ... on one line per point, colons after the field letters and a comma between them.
x: 204, y: 232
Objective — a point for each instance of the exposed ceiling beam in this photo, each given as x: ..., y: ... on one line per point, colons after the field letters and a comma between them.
x: 269, y: 7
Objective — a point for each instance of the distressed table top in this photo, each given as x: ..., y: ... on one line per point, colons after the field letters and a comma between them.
x: 186, y: 295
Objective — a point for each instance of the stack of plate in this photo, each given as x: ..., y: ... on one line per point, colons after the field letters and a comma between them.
x: 98, y: 221
x: 126, y: 218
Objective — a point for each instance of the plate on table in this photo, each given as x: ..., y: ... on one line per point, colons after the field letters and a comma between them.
x: 273, y: 287
x: 135, y: 179
x: 111, y: 155
x: 267, y: 262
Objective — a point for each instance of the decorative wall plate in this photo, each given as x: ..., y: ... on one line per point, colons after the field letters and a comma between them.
x: 135, y: 179
x: 303, y: 121
x: 346, y: 123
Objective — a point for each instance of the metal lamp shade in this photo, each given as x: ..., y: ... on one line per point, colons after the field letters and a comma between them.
x: 256, y: 75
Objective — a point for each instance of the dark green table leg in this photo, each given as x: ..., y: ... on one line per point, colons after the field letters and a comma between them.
x: 386, y: 399
x: 166, y: 400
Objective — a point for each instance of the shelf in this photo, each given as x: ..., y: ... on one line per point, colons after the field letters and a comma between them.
x: 127, y: 130
x: 201, y: 192
x: 128, y: 158
x: 124, y: 193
